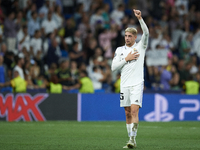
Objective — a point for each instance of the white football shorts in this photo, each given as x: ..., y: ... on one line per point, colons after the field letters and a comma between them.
x: 131, y: 95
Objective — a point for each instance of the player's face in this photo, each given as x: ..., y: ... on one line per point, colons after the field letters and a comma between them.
x: 130, y: 39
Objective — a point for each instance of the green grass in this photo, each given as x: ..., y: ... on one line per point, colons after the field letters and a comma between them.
x: 70, y: 135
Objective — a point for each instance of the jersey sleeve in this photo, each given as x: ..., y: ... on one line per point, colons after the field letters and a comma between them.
x: 145, y: 35
x: 117, y: 62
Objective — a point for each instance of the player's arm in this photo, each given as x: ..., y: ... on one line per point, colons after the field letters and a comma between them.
x: 145, y: 30
x: 117, y: 62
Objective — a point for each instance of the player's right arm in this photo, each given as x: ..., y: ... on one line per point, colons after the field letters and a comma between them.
x: 117, y: 62
x: 145, y: 30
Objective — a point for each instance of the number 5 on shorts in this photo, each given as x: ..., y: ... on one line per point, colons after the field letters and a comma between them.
x: 121, y: 96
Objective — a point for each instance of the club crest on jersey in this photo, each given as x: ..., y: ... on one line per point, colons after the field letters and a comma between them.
x: 134, y: 49
x: 121, y: 54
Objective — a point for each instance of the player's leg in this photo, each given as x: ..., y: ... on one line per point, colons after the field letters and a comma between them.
x: 126, y: 103
x: 134, y: 114
x: 129, y: 122
x: 136, y: 103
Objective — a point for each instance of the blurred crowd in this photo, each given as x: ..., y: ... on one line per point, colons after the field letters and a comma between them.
x: 69, y: 44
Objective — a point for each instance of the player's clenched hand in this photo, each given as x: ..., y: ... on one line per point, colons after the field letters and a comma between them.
x: 132, y: 56
x: 137, y: 13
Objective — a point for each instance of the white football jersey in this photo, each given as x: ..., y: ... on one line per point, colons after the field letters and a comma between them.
x: 132, y: 72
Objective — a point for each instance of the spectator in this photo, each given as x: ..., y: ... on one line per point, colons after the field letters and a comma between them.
x: 53, y: 52
x: 155, y: 78
x: 3, y: 49
x: 18, y: 84
x: 53, y: 69
x: 36, y: 45
x: 20, y: 18
x: 75, y: 54
x: 68, y: 6
x: 74, y: 72
x: 86, y: 4
x: 84, y: 84
x: 34, y: 70
x: 43, y: 11
x: 41, y: 81
x: 19, y: 65
x: 167, y: 43
x: 97, y: 78
x: 94, y: 62
x: 49, y: 25
x: 186, y: 46
x: 9, y: 61
x: 78, y: 13
x: 106, y: 71
x: 96, y: 20
x: 90, y: 50
x: 3, y: 71
x: 33, y: 23
x: 53, y: 85
x: 105, y: 14
x: 84, y: 26
x: 191, y: 87
x: 23, y: 39
x: 174, y: 82
x: 77, y: 38
x: 105, y: 40
x: 69, y: 26
x: 29, y: 14
x: 118, y: 14
x: 98, y: 53
x: 64, y: 74
x: 194, y: 65
x: 181, y: 71
x: 57, y: 17
x: 165, y: 78
x: 117, y: 84
x: 10, y: 31
x: 197, y: 77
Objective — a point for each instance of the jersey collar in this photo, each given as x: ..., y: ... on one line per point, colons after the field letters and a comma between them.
x: 126, y: 47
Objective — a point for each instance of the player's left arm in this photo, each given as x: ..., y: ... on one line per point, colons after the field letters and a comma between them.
x: 145, y: 30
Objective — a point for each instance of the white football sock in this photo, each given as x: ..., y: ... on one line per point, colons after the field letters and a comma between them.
x: 129, y: 129
x: 134, y: 130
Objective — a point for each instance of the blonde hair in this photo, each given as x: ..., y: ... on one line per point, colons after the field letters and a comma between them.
x: 131, y: 30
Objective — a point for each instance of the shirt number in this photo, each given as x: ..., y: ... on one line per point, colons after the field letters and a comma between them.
x: 121, y: 96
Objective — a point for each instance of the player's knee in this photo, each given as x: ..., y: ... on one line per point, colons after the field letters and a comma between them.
x: 128, y: 114
x: 134, y: 113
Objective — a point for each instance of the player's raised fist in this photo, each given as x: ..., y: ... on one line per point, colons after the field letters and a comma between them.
x: 137, y: 13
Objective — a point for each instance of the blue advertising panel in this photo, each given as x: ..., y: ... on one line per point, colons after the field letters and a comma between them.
x: 156, y: 107
x: 95, y: 107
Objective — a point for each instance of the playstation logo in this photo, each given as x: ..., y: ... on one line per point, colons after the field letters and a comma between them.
x: 160, y: 110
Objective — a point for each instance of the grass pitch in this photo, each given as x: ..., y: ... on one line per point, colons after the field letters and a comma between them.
x: 70, y: 135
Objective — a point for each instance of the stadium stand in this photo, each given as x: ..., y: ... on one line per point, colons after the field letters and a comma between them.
x: 87, y: 32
